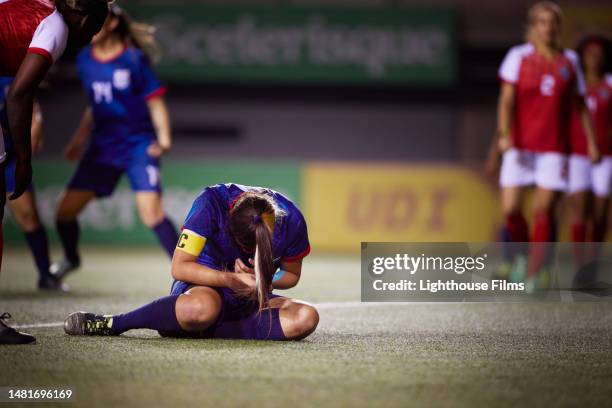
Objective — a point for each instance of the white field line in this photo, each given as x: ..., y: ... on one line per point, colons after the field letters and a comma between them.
x: 322, y: 306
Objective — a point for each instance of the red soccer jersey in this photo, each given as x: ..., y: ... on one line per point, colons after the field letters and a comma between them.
x: 543, y: 100
x: 599, y: 101
x: 29, y: 26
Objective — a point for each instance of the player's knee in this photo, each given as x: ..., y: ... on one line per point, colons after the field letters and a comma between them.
x: 304, y: 321
x: 65, y: 214
x: 27, y: 219
x: 196, y: 312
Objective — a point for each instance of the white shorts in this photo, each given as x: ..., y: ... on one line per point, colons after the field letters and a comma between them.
x: 586, y: 176
x: 547, y: 170
x: 2, y: 151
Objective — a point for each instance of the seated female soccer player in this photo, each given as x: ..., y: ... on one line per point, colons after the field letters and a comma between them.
x: 237, y: 244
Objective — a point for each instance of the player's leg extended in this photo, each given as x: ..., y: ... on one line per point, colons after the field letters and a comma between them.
x: 192, y: 311
x: 71, y: 204
x: 151, y: 212
x: 8, y: 335
x: 26, y: 215
x: 544, y: 231
x: 515, y: 234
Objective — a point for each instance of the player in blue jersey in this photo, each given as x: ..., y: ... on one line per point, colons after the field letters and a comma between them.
x: 24, y: 208
x: 238, y: 243
x: 129, y: 129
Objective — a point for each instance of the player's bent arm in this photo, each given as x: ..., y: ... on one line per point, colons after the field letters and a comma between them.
x: 161, y: 122
x: 20, y: 102
x: 505, y: 109
x: 186, y: 269
x: 587, y: 125
x: 290, y: 277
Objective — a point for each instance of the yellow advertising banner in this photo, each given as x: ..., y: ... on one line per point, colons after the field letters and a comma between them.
x: 581, y: 20
x: 346, y: 204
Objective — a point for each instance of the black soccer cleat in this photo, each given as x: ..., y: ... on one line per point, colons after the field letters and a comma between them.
x: 52, y: 284
x: 8, y: 335
x: 62, y: 268
x: 87, y: 324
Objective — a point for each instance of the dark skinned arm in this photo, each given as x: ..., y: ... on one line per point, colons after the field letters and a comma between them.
x: 19, y: 104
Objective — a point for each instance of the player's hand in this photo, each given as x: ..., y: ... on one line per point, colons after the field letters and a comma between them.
x: 72, y: 152
x: 242, y: 283
x: 23, y: 178
x: 155, y: 150
x: 594, y: 153
x: 504, y: 143
x: 241, y: 267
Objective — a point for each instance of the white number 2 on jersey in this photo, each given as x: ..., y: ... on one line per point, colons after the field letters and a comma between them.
x: 103, y: 92
x: 547, y: 86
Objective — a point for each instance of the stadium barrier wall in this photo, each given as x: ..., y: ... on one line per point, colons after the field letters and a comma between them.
x: 344, y: 203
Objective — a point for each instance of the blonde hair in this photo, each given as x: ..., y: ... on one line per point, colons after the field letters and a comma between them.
x: 140, y: 35
x: 532, y: 14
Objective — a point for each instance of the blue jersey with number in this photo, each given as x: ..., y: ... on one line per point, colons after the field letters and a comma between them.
x: 118, y: 90
x: 209, y: 217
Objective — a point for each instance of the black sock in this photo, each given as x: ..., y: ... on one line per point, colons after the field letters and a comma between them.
x: 39, y: 246
x: 69, y: 234
x: 167, y: 235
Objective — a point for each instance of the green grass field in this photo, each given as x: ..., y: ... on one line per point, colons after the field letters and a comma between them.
x: 419, y: 354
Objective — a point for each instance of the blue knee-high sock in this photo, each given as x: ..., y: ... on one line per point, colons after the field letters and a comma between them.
x: 257, y: 326
x: 167, y: 235
x: 39, y: 246
x: 69, y: 234
x: 158, y: 315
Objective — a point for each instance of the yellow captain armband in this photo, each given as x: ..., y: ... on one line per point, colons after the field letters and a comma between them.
x: 191, y: 242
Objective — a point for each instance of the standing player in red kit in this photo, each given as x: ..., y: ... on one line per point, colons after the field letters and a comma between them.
x: 589, y: 184
x: 33, y: 36
x: 540, y: 83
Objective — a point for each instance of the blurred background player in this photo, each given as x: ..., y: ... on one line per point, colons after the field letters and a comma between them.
x: 129, y: 126
x: 33, y: 35
x: 589, y: 184
x: 217, y: 293
x: 24, y: 208
x: 540, y: 83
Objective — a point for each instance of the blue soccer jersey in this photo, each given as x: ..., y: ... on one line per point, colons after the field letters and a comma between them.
x: 209, y: 218
x: 118, y: 90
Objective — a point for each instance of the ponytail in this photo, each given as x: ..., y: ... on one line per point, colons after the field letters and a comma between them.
x: 140, y: 35
x: 251, y: 225
x: 264, y: 263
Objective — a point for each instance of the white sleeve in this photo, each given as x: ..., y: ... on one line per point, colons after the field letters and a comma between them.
x: 510, y: 67
x: 580, y: 83
x: 50, y: 37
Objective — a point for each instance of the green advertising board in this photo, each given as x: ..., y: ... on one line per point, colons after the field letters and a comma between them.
x: 115, y: 221
x: 285, y: 44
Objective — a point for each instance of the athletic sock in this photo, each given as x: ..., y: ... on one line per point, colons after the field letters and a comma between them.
x: 539, y: 250
x: 515, y: 233
x: 517, y: 227
x: 69, y: 234
x: 578, y: 235
x: 167, y: 235
x: 158, y: 315
x: 39, y: 246
x: 257, y: 326
x: 578, y: 232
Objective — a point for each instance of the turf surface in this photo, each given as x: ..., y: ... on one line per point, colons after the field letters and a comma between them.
x: 529, y: 354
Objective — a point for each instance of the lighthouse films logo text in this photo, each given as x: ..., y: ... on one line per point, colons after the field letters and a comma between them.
x: 462, y: 272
